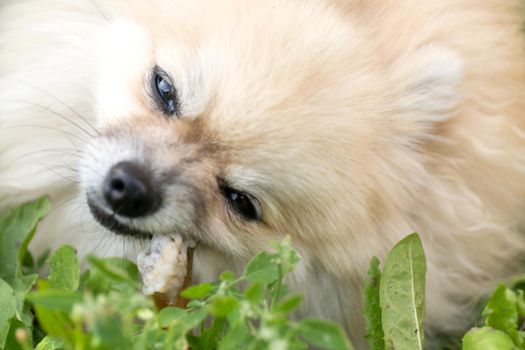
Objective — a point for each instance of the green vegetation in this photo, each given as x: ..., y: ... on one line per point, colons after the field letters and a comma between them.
x: 102, y: 308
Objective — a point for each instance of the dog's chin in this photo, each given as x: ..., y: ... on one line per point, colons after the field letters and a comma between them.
x: 111, y: 223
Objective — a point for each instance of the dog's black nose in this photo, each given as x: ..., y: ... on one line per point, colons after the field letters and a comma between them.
x: 129, y: 191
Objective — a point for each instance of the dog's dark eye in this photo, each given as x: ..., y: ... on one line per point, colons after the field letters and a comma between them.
x: 164, y: 92
x: 242, y: 203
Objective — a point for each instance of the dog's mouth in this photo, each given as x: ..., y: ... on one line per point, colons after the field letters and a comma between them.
x: 110, y: 222
x: 166, y: 264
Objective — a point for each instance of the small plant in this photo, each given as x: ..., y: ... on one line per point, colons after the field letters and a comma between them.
x: 394, y: 306
x: 104, y: 309
x: 502, y: 326
x: 395, y: 300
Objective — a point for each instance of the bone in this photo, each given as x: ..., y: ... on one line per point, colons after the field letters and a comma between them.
x: 165, y: 267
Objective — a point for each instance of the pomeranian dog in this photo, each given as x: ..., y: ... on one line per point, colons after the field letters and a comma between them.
x: 346, y: 124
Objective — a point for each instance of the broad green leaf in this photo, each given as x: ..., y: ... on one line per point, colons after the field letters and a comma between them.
x: 223, y: 305
x: 290, y: 303
x: 55, y: 299
x: 501, y: 312
x: 16, y: 230
x: 44, y: 206
x: 237, y: 337
x: 111, y: 330
x: 280, y: 292
x: 254, y: 293
x: 149, y: 335
x: 55, y: 323
x: 194, y: 318
x: 28, y: 263
x: 50, y: 343
x: 181, y: 319
x: 175, y: 338
x: 112, y: 274
x: 402, y: 295
x: 487, y: 338
x: 324, y: 334
x: 200, y: 291
x: 373, y: 308
x: 19, y: 336
x: 42, y: 259
x: 171, y: 314
x: 262, y: 269
x: 227, y: 276
x: 210, y: 337
x: 7, y: 310
x: 196, y: 304
x: 65, y: 269
x: 521, y: 303
x: 21, y: 286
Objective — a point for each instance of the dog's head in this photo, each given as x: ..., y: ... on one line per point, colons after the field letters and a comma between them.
x: 234, y: 123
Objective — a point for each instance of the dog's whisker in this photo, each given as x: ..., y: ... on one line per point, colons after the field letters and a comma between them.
x: 65, y: 203
x: 62, y: 102
x: 54, y: 172
x: 49, y: 128
x: 50, y: 153
x: 69, y: 151
x: 45, y: 108
x: 100, y: 10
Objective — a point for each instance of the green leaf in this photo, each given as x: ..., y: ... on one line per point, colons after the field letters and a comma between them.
x: 112, y: 331
x: 16, y: 230
x: 286, y: 256
x: 196, y: 304
x: 43, y: 207
x: 373, y: 308
x: 324, y: 334
x: 501, y: 312
x: 487, y: 339
x: 194, y: 318
x: 180, y: 319
x: 290, y: 303
x: 200, y: 291
x: 254, y: 293
x: 521, y: 303
x: 236, y: 337
x: 55, y: 299
x: 112, y: 274
x: 65, y: 269
x: 169, y: 315
x: 21, y: 286
x: 222, y: 306
x: 19, y: 337
x: 262, y: 269
x: 227, y: 276
x: 42, y: 259
x: 50, y: 343
x: 28, y: 263
x: 210, y: 337
x: 402, y: 295
x: 55, y: 323
x: 175, y: 337
x: 7, y: 310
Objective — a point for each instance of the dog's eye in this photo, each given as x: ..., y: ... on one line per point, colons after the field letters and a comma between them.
x: 244, y: 204
x: 164, y: 92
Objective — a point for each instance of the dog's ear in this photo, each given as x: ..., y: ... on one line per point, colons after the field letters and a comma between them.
x: 430, y: 86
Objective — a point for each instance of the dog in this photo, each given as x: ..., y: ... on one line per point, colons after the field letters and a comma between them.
x: 346, y: 124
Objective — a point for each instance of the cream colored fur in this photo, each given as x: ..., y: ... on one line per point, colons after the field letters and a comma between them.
x: 353, y: 122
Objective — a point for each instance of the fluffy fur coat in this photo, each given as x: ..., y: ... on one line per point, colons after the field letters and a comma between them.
x: 353, y: 123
